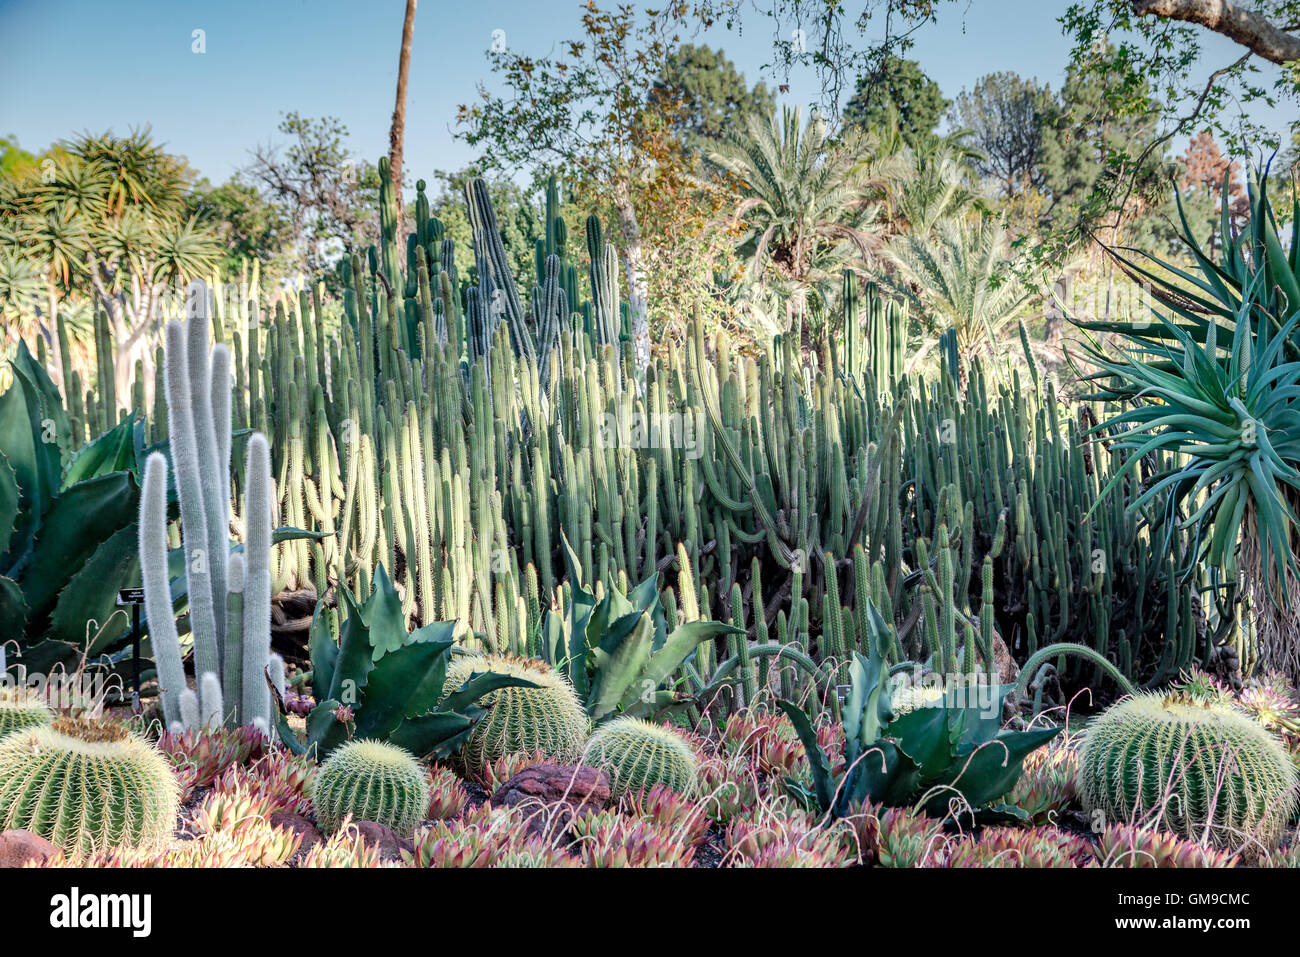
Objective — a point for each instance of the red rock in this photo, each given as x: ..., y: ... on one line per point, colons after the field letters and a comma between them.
x: 554, y: 793
x: 19, y: 847
x: 556, y: 783
x: 389, y: 843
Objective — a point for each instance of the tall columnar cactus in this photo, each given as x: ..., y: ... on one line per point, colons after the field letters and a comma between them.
x: 87, y: 786
x: 371, y: 781
x: 230, y: 658
x: 640, y: 754
x: 1198, y: 769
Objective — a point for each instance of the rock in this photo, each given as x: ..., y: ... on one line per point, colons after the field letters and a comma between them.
x: 300, y: 825
x: 389, y: 843
x: 1008, y: 670
x: 556, y: 784
x: 17, y: 848
x: 554, y: 793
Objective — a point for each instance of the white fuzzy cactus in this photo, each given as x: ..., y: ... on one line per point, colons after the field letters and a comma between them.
x: 229, y: 596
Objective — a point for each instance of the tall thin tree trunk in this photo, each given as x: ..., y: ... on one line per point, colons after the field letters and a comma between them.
x: 397, y: 133
x: 634, y: 266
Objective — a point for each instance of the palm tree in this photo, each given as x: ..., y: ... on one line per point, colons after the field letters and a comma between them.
x: 958, y: 278
x: 939, y: 184
x: 808, y: 205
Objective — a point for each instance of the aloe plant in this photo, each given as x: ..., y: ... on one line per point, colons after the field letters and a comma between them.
x: 381, y: 683
x: 1216, y: 377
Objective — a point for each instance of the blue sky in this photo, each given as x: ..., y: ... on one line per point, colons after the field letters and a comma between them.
x: 87, y: 64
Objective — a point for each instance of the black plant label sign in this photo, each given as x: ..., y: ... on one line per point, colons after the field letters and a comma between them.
x: 130, y: 596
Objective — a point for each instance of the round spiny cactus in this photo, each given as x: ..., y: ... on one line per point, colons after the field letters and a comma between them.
x: 21, y: 709
x: 371, y: 781
x: 1197, y: 769
x: 640, y: 754
x: 548, y: 718
x: 87, y: 786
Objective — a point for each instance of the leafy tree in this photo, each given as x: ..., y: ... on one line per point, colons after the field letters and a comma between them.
x: 1004, y: 114
x: 591, y: 111
x: 1102, y: 165
x: 107, y: 219
x: 327, y: 196
x: 1203, y: 173
x: 248, y: 225
x: 711, y: 95
x: 899, y: 88
x: 936, y: 183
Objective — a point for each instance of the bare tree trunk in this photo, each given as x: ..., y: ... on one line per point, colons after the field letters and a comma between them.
x: 634, y: 266
x: 397, y: 133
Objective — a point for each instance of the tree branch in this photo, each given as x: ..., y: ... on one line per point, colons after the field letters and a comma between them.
x: 1246, y: 27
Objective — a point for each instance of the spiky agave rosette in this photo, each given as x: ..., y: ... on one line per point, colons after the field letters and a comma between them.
x: 1201, y: 770
x: 87, y: 786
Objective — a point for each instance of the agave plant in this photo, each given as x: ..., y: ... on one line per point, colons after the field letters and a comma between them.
x: 1216, y: 377
x: 67, y: 537
x: 380, y: 682
x: 617, y: 651
x: 953, y: 751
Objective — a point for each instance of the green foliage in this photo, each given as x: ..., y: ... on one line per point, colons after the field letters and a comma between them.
x: 67, y: 540
x: 381, y: 683
x: 806, y: 203
x: 897, y: 91
x: 707, y: 94
x: 944, y: 756
x: 1198, y: 769
x: 534, y: 709
x: 960, y: 278
x: 371, y: 781
x: 617, y: 651
x: 640, y: 754
x: 87, y: 786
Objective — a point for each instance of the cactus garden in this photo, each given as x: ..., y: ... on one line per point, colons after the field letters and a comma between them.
x: 708, y: 474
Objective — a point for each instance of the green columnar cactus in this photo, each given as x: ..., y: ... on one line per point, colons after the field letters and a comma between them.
x: 549, y: 718
x: 371, y: 781
x: 640, y: 754
x: 87, y: 786
x: 20, y: 709
x: 1200, y: 770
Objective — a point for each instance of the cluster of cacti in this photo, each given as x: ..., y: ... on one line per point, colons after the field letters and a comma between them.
x: 20, y: 708
x: 548, y: 718
x: 640, y: 754
x: 229, y: 595
x: 455, y: 435
x: 87, y: 786
x: 1197, y: 769
x: 371, y: 781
